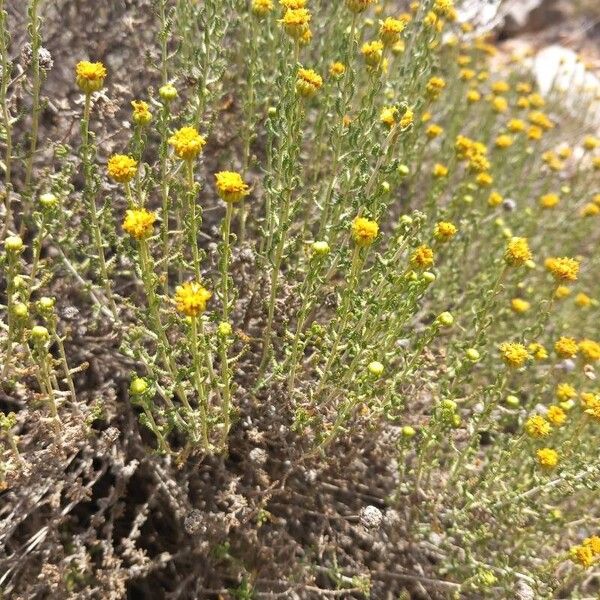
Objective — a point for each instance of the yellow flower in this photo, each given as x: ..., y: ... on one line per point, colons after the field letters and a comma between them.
x: 90, y: 76
x: 445, y: 8
x: 556, y: 415
x: 295, y: 22
x: 141, y: 112
x: 566, y: 347
x: 435, y: 86
x: 440, y: 170
x: 590, y: 210
x: 499, y: 104
x: 358, y: 6
x: 473, y: 96
x: 563, y: 269
x: 538, y: 351
x: 562, y: 291
x: 337, y: 69
x: 582, y: 555
x: 540, y: 119
x: 466, y: 74
x: 388, y: 116
x: 122, y: 168
x: 516, y: 125
x: 537, y: 427
x: 500, y: 87
x: 590, y: 349
x: 594, y: 409
x: 138, y: 223
x: 231, y: 186
x: 517, y: 252
x: 187, y: 143
x: 582, y: 300
x: 364, y: 231
x: 593, y: 543
x: 535, y: 132
x: 523, y: 102
x: 596, y: 163
x: 536, y: 101
x: 519, y: 305
x: 293, y: 4
x: 565, y: 391
x: 191, y: 298
x: 308, y: 82
x: 590, y: 142
x: 588, y: 399
x: 434, y: 131
x: 514, y: 355
x: 484, y: 179
x: 549, y: 200
x: 390, y: 30
x: 372, y: 52
x: 444, y: 231
x: 523, y: 87
x: 422, y: 257
x: 495, y: 199
x: 407, y: 118
x: 261, y: 8
x: 547, y: 458
x: 504, y: 141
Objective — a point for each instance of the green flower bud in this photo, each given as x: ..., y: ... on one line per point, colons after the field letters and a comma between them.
x: 445, y: 320
x: 20, y: 310
x: 39, y: 334
x: 403, y: 170
x: 224, y: 329
x: 449, y: 405
x: 271, y: 111
x: 512, y: 401
x: 46, y: 305
x: 472, y: 354
x: 320, y: 248
x: 428, y: 277
x: 567, y: 405
x: 13, y: 243
x: 168, y: 92
x: 385, y: 187
x: 138, y: 386
x: 19, y: 282
x: 408, y: 431
x: 375, y: 368
x: 48, y: 201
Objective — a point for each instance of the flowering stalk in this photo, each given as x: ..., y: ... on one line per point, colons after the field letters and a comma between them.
x: 5, y: 73
x: 200, y: 387
x: 13, y: 246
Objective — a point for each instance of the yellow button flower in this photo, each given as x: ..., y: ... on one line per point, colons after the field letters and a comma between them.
x: 566, y: 347
x: 122, y: 168
x: 563, y: 269
x: 444, y: 231
x: 141, y: 112
x: 537, y: 427
x: 547, y: 458
x: 364, y: 231
x: 517, y: 252
x: 514, y: 355
x: 138, y: 223
x: 422, y: 257
x: 187, y: 143
x: 191, y: 298
x: 231, y: 186
x: 308, y: 82
x: 90, y: 76
x: 296, y: 21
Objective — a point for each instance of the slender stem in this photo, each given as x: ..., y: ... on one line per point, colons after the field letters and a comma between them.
x: 200, y: 387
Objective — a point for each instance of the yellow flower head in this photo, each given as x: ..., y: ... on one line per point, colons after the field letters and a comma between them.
x: 444, y: 231
x: 484, y: 180
x: 293, y: 4
x: 582, y: 555
x: 187, y: 143
x: 407, y: 118
x: 537, y: 427
x: 500, y: 87
x: 434, y: 131
x: 138, y: 223
x: 499, y: 104
x: 582, y: 300
x: 589, y: 399
x: 390, y: 30
x: 358, y: 6
x: 591, y: 142
x: 516, y: 125
x: 337, y: 69
x: 562, y: 291
x: 565, y: 391
x: 593, y: 410
x: 308, y: 82
x: 467, y: 74
x: 435, y: 86
x: 388, y: 116
x: 519, y: 305
x: 549, y: 200
x: 590, y: 210
x: 122, y: 168
x: 563, y: 269
x: 538, y: 351
x: 593, y: 543
x: 422, y: 257
x: 504, y: 141
x: 372, y: 52
x: 231, y: 186
x: 513, y: 354
x: 517, y: 252
x: 523, y: 87
x: 547, y: 458
x: 191, y: 298
x: 261, y: 8
x: 535, y: 133
x: 495, y: 199
x: 141, y: 112
x: 445, y: 8
x: 473, y: 96
x: 364, y: 231
x: 556, y: 415
x: 536, y: 101
x: 540, y: 119
x: 295, y: 21
x: 566, y: 347
x: 90, y: 76
x: 440, y: 170
x: 590, y: 349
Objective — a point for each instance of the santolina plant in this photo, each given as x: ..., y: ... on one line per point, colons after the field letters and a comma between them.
x: 342, y: 211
